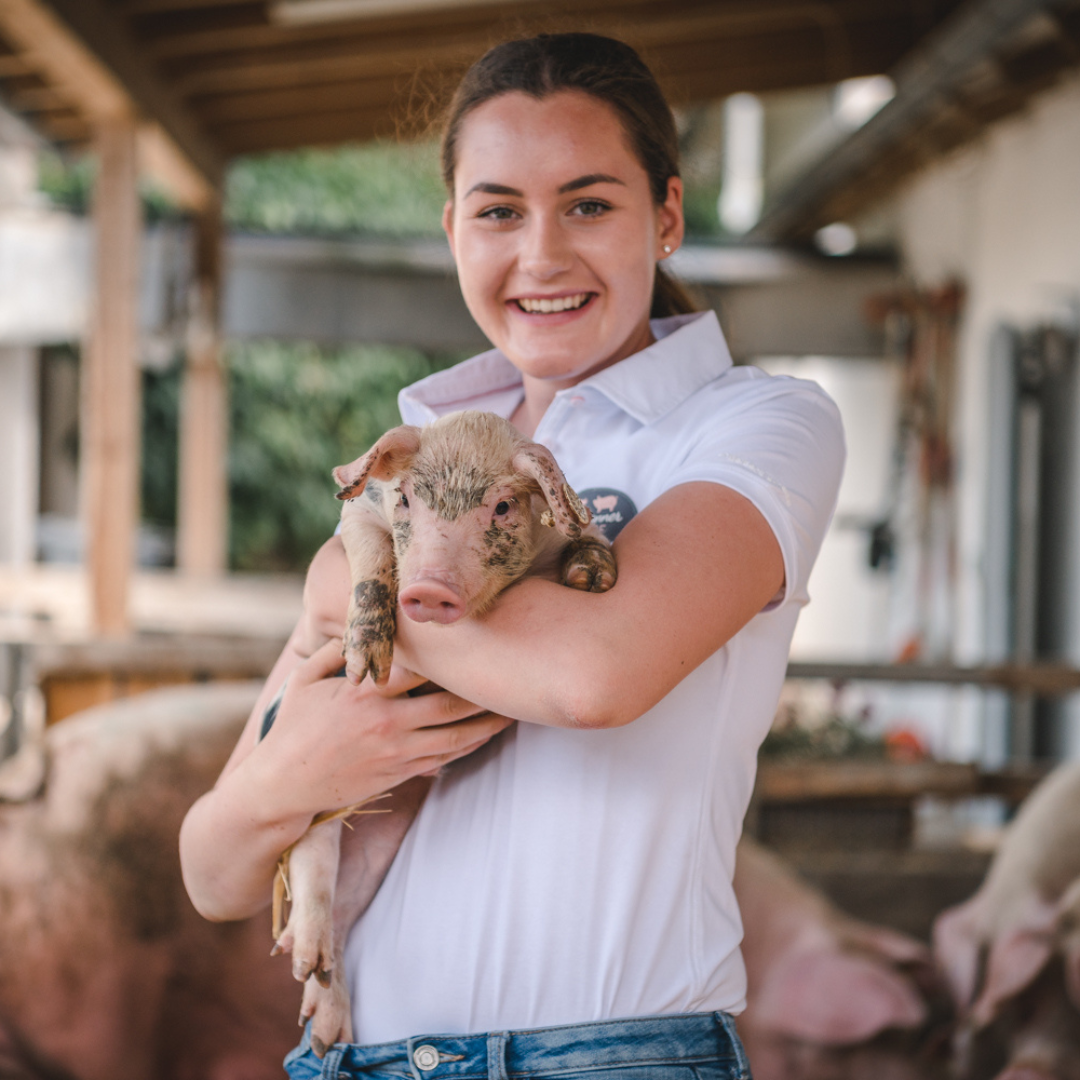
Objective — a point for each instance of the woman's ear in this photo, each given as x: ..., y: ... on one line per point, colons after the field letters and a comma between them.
x: 448, y: 225
x: 669, y: 218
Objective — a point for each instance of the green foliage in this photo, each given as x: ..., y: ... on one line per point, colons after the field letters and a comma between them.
x: 160, y: 429
x: 700, y: 209
x: 296, y: 412
x: 385, y: 188
x: 835, y: 737
x: 69, y: 184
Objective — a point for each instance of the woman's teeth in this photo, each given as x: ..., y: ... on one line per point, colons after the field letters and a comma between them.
x: 560, y: 303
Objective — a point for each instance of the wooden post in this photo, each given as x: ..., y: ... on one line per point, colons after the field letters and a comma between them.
x: 202, y: 513
x: 110, y: 447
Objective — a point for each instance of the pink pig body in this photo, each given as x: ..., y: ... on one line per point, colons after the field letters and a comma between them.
x: 819, y: 981
x: 106, y: 970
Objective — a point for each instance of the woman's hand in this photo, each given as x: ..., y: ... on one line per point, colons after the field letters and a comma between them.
x: 332, y: 745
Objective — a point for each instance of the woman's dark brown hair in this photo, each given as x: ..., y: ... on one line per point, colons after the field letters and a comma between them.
x: 606, y: 69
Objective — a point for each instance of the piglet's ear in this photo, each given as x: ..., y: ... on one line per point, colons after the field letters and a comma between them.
x: 568, y: 512
x: 391, y: 455
x: 836, y: 999
x: 1016, y: 958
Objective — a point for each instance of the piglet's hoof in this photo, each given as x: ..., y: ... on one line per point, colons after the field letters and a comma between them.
x: 327, y: 1007
x: 589, y: 566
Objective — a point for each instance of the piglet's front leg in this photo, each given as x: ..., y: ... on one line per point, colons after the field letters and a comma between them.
x: 371, y: 619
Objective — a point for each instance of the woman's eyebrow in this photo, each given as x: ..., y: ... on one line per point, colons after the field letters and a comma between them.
x: 494, y: 189
x: 588, y: 180
x: 488, y: 188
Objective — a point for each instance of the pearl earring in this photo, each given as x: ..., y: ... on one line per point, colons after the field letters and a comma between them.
x: 667, y: 249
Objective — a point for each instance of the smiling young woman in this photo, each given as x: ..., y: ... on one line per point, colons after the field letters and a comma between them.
x: 563, y: 903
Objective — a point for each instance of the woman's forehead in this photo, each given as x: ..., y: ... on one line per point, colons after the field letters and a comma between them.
x: 542, y: 143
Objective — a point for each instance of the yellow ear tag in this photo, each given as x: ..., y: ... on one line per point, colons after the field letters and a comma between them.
x: 581, y: 511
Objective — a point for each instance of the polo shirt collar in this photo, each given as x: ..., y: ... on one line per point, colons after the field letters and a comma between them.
x: 689, y: 352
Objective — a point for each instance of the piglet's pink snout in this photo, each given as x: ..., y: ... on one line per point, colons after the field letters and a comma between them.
x: 431, y: 600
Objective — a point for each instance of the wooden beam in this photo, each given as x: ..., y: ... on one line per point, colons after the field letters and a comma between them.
x: 320, y: 129
x: 87, y: 53
x: 110, y: 449
x: 202, y: 513
x: 636, y: 21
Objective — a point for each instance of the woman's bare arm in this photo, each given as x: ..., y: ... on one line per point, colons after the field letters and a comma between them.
x: 331, y: 745
x: 694, y: 568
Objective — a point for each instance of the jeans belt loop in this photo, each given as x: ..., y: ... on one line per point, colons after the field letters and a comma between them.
x: 332, y: 1063
x: 727, y: 1025
x: 496, y: 1055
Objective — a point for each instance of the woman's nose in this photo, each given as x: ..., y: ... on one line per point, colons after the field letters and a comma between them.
x: 546, y: 251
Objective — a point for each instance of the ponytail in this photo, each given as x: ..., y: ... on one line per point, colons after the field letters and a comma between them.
x: 669, y: 297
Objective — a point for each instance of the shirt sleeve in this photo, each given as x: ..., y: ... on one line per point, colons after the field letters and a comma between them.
x: 779, y: 442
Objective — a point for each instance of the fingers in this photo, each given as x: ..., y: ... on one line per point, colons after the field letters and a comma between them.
x: 435, y: 746
x: 401, y: 681
x: 323, y: 663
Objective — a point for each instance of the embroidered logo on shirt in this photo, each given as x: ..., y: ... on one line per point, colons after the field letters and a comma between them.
x: 610, y: 509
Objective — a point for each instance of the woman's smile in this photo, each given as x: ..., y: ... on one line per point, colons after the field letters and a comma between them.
x: 556, y: 235
x: 559, y: 304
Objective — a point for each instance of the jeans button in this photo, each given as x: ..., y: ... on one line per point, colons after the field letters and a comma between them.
x: 425, y: 1057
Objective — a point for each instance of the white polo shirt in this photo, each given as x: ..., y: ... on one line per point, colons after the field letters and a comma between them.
x: 561, y: 876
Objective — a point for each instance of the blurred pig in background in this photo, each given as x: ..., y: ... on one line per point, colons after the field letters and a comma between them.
x: 828, y: 996
x: 1012, y: 952
x: 106, y: 971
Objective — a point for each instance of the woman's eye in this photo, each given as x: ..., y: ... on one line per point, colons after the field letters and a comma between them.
x: 499, y: 213
x: 591, y: 208
x: 502, y: 508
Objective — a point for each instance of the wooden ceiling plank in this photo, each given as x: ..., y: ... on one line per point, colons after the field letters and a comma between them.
x: 48, y: 46
x: 155, y: 7
x: 344, y: 59
x: 319, y: 130
x: 741, y: 17
x: 84, y: 49
x: 14, y: 65
x: 705, y: 69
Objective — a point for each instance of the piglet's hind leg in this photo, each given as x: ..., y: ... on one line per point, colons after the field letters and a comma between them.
x: 309, y: 934
x: 328, y: 1009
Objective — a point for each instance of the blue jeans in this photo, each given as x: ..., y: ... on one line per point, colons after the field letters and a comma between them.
x: 699, y: 1046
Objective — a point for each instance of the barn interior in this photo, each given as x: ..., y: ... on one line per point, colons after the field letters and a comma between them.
x: 891, y: 190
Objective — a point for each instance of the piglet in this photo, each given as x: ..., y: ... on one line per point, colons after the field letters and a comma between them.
x: 819, y: 982
x: 1012, y: 952
x: 437, y: 520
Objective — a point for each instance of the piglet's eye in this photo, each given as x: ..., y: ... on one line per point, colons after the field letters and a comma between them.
x: 404, y: 500
x: 502, y: 508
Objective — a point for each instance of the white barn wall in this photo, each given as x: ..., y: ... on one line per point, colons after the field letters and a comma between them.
x: 1003, y: 217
